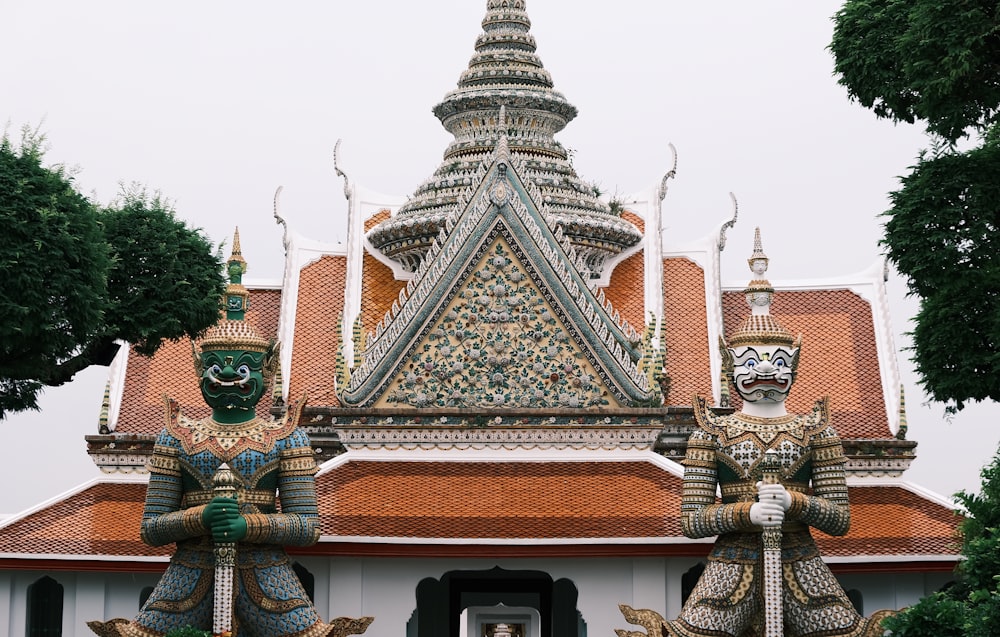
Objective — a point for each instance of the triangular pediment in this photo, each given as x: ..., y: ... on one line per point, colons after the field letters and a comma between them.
x: 499, y: 316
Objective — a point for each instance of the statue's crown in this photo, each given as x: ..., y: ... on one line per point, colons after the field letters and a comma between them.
x: 233, y: 332
x: 230, y: 334
x: 760, y: 328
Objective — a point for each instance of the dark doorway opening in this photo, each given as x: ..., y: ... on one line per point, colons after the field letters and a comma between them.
x: 440, y: 602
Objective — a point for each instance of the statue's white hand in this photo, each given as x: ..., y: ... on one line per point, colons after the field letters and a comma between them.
x: 776, y: 492
x: 767, y: 513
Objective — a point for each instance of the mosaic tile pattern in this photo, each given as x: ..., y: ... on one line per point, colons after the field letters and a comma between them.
x: 498, y: 344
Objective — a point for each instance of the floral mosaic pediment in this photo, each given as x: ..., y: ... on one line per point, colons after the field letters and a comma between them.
x: 498, y: 343
x: 499, y: 317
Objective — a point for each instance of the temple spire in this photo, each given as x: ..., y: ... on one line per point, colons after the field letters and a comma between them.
x: 506, y: 93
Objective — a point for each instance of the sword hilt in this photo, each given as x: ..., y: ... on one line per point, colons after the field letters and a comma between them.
x: 224, y: 485
x: 770, y: 468
x: 224, y: 482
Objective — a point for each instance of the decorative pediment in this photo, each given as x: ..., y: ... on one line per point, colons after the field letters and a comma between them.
x: 500, y: 316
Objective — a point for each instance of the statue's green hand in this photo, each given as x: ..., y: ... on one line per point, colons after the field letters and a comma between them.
x: 222, y: 518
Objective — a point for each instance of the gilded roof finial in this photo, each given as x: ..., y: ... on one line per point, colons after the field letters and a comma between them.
x: 237, y: 297
x: 237, y: 256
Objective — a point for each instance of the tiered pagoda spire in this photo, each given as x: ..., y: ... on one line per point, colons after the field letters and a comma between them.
x: 506, y: 91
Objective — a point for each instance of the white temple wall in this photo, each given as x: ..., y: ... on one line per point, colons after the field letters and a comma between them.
x: 386, y: 589
x: 893, y: 590
x: 6, y: 603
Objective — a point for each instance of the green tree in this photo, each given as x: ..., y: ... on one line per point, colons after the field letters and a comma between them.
x: 970, y: 608
x: 938, y: 61
x: 75, y: 279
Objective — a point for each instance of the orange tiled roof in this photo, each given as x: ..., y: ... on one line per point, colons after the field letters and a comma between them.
x: 894, y: 521
x: 171, y: 371
x: 317, y: 337
x: 838, y: 356
x: 686, y: 323
x: 376, y: 219
x: 625, y: 288
x: 379, y: 290
x: 500, y: 500
x: 519, y: 500
x: 102, y: 519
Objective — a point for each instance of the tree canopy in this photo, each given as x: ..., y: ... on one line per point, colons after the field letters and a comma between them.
x: 971, y: 607
x: 76, y: 278
x: 938, y: 62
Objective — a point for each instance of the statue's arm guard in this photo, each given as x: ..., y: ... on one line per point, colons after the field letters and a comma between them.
x: 700, y: 515
x: 298, y: 522
x: 828, y: 508
x: 163, y: 520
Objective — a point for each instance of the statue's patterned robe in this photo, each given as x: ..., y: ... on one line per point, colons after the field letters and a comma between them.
x: 726, y: 451
x: 266, y: 456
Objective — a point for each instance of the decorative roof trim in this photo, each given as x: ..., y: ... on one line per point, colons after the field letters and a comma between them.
x: 893, y: 559
x: 116, y: 384
x: 84, y: 557
x: 503, y: 541
x: 501, y: 456
x: 917, y: 490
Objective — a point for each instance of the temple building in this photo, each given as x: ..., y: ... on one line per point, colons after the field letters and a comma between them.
x: 500, y: 374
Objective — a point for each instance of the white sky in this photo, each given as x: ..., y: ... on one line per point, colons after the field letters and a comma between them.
x: 218, y: 103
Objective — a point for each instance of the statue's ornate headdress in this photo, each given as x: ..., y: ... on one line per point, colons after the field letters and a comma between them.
x: 760, y: 328
x: 233, y: 332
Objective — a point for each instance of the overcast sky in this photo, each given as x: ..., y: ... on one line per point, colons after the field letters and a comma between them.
x: 218, y: 103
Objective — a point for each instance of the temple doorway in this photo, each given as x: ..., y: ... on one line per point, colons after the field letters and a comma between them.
x: 481, y: 603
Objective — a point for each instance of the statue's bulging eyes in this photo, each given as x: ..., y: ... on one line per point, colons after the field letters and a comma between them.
x: 243, y: 370
x: 750, y: 363
x: 215, y: 369
x: 779, y: 363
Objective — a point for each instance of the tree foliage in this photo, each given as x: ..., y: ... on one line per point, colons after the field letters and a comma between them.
x: 942, y: 234
x: 53, y: 261
x: 165, y: 280
x: 75, y: 278
x: 938, y: 61
x: 970, y: 608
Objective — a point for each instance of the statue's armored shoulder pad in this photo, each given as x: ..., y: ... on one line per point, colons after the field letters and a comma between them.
x: 818, y: 419
x: 707, y: 420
